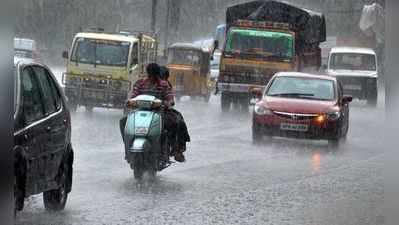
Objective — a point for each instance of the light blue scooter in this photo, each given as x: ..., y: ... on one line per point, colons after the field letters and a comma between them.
x: 146, y: 145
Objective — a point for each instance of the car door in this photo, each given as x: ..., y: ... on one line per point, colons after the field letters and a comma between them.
x: 30, y: 132
x: 56, y: 135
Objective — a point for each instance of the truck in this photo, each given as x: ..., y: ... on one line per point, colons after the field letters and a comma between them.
x: 103, y: 66
x: 263, y: 38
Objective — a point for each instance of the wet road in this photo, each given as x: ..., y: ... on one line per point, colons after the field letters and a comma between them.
x: 226, y: 179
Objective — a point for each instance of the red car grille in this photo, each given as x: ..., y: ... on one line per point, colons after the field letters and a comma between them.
x: 296, y: 116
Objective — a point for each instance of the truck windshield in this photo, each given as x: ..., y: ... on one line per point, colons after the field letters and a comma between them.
x: 266, y: 43
x: 101, y: 52
x: 353, y: 61
x: 183, y: 57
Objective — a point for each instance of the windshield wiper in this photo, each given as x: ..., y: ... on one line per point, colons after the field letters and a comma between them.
x: 292, y: 94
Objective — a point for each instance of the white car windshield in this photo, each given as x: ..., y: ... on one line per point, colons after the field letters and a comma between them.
x: 353, y: 61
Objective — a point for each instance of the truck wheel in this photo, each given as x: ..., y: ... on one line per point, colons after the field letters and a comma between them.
x: 55, y: 200
x: 225, y: 102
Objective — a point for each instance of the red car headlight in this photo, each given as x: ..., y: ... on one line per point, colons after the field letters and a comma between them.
x: 333, y: 116
x: 262, y: 111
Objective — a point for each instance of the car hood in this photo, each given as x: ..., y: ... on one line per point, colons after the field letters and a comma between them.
x: 291, y: 105
x: 353, y: 73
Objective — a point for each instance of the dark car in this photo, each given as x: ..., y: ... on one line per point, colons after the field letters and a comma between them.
x: 298, y: 105
x: 42, y: 138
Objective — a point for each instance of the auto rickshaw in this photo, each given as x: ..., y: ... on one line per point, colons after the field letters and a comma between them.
x: 189, y: 68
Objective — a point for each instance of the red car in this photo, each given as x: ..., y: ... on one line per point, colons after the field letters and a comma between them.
x: 298, y: 105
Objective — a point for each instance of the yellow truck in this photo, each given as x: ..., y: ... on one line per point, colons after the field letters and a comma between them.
x: 102, y: 67
x: 263, y: 38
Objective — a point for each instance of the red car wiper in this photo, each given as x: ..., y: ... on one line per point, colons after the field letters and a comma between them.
x: 291, y: 94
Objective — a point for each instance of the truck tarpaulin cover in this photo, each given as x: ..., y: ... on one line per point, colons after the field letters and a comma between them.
x: 310, y: 25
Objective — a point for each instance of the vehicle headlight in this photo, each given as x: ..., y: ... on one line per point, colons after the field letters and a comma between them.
x: 262, y: 111
x: 333, y: 115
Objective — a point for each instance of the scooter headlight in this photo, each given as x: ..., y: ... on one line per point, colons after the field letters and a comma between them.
x: 262, y: 111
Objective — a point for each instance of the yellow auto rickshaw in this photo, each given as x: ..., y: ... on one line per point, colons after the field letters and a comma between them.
x: 189, y: 68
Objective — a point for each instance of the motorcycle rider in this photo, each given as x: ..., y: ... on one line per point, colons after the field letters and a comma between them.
x: 153, y: 85
x: 182, y: 132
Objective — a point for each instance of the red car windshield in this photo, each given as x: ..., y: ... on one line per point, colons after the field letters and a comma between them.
x: 304, y: 88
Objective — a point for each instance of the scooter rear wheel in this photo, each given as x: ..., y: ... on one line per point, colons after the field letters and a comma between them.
x: 138, y: 166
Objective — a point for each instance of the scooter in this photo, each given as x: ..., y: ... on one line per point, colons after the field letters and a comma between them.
x: 146, y: 143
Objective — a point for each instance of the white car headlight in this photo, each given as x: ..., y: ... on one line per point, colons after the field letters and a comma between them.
x: 260, y: 110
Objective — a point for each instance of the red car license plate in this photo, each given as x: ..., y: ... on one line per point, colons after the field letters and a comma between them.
x: 294, y: 127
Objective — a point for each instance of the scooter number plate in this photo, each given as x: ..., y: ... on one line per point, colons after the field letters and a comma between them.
x: 141, y: 130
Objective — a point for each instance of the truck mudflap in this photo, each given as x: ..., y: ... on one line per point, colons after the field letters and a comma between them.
x: 237, y: 88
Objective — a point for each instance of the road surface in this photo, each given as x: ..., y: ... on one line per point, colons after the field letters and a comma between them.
x: 226, y: 179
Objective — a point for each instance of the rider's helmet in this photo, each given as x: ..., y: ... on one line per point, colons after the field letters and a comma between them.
x: 154, y: 70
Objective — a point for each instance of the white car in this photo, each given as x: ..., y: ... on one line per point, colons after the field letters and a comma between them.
x: 357, y: 71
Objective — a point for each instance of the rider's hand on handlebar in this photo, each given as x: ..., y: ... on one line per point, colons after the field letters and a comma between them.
x: 131, y: 103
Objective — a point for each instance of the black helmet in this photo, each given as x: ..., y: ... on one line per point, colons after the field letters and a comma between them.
x: 164, y: 73
x: 153, y: 70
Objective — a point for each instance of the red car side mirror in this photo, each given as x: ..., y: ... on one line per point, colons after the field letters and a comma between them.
x: 257, y: 93
x: 347, y: 99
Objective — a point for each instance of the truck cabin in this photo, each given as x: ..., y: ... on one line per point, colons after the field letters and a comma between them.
x: 275, y: 31
x: 273, y: 41
x: 101, y: 52
x: 350, y: 58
